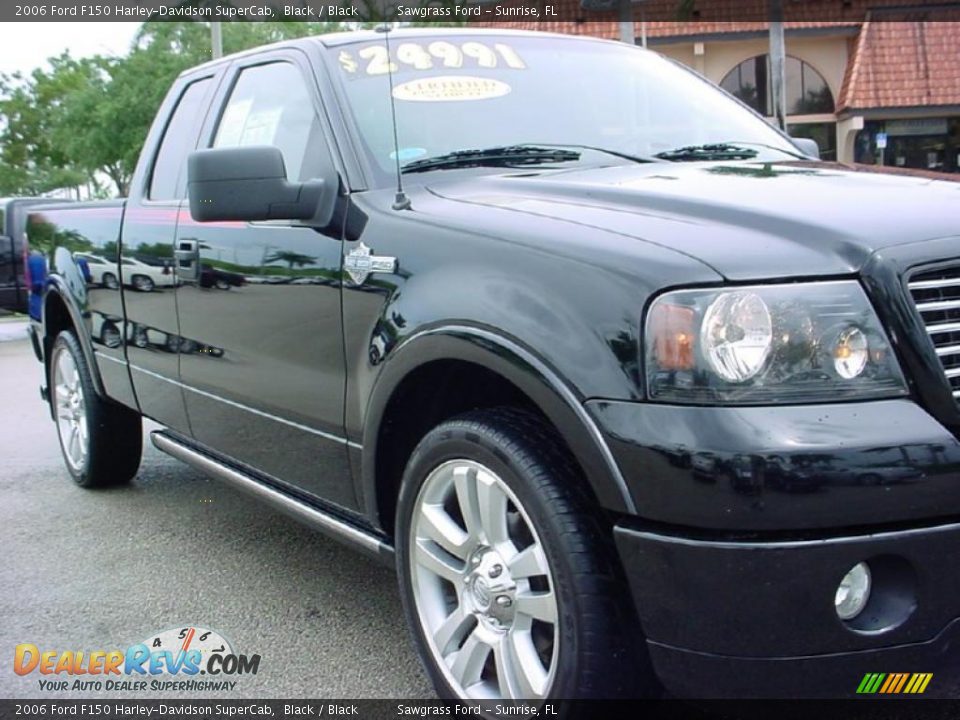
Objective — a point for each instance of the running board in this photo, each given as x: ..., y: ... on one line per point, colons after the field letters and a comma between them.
x: 316, y: 518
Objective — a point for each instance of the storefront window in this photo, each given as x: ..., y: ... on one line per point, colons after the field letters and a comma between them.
x: 807, y: 92
x: 925, y: 143
x: 824, y: 133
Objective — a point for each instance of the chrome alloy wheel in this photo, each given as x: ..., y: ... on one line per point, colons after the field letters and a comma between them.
x: 484, y: 593
x: 71, y: 411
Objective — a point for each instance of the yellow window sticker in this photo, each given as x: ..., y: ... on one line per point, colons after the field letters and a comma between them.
x: 450, y: 88
x: 347, y: 62
x: 374, y: 60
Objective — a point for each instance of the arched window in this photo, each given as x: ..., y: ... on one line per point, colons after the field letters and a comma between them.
x: 807, y: 91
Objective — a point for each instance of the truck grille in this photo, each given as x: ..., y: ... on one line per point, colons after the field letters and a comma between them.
x: 936, y: 294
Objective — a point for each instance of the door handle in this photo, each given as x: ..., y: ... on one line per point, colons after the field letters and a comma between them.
x: 187, y: 255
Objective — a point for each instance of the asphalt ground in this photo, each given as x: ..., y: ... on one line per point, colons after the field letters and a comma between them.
x: 106, y: 569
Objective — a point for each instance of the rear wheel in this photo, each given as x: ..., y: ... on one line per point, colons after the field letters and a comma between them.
x: 508, y: 576
x: 101, y: 440
x: 142, y: 283
x: 110, y: 281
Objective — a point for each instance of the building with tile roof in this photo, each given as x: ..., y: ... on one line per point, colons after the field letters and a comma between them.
x: 873, y: 81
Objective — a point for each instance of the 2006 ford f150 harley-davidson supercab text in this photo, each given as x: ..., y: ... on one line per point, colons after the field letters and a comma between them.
x: 634, y: 391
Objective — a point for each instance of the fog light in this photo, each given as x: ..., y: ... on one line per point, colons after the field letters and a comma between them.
x: 853, y: 592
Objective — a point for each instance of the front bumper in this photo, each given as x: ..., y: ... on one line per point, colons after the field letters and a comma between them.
x: 784, y: 469
x: 750, y: 517
x: 757, y: 619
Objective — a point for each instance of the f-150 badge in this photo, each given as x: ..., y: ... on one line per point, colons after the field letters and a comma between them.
x: 359, y: 263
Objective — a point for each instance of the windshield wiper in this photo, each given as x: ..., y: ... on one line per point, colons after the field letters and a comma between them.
x: 507, y: 155
x: 714, y: 151
x: 606, y: 151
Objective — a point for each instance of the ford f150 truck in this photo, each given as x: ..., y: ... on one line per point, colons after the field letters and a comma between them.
x: 636, y: 392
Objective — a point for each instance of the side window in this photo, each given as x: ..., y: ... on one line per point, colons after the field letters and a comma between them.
x: 178, y: 142
x: 271, y: 105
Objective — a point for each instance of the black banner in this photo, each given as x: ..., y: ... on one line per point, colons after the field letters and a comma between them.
x: 864, y: 709
x: 481, y: 12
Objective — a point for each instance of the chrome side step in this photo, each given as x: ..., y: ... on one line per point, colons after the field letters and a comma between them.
x: 314, y: 517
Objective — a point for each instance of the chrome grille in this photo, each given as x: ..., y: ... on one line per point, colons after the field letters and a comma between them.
x: 936, y: 294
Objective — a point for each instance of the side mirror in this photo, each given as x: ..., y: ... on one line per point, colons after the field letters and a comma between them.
x: 250, y: 183
x: 807, y: 146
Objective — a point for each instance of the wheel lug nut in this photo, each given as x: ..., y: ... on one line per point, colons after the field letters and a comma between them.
x: 504, y: 601
x: 496, y: 571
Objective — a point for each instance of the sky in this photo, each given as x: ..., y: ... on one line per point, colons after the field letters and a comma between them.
x: 27, y: 45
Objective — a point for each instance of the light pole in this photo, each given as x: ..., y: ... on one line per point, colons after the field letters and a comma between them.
x: 778, y: 61
x: 216, y: 40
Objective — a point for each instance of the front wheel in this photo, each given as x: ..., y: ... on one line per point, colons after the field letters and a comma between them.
x: 508, y: 576
x: 101, y: 440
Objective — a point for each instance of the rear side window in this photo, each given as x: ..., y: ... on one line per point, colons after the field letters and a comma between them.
x: 271, y: 105
x: 178, y: 140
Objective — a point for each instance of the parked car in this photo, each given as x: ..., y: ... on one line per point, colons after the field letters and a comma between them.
x: 100, y: 270
x: 143, y: 277
x: 565, y: 342
x: 213, y: 277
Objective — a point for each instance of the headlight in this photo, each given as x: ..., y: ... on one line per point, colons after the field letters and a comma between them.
x: 809, y: 342
x: 737, y: 335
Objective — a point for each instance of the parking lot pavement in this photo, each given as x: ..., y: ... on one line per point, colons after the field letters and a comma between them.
x: 12, y: 328
x: 105, y: 569
x: 102, y: 570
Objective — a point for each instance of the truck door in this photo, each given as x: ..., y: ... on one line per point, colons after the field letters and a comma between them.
x: 145, y: 269
x: 259, y: 303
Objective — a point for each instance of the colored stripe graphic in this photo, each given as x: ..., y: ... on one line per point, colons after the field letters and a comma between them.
x: 872, y: 681
x: 891, y: 682
x: 894, y: 683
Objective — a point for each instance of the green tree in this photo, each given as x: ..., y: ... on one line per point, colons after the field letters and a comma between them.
x: 31, y: 108
x: 82, y: 120
x: 290, y: 258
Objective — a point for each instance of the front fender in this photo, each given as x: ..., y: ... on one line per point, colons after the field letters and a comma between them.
x: 518, y: 365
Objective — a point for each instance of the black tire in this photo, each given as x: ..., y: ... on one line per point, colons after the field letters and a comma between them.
x: 114, y: 440
x: 600, y: 645
x: 142, y: 283
x: 110, y: 281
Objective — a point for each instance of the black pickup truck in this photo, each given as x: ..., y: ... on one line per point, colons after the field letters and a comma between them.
x: 634, y: 391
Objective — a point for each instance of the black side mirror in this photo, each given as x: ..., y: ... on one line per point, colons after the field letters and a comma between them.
x: 807, y: 146
x: 250, y: 183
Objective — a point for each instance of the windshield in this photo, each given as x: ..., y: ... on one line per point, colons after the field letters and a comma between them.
x: 478, y: 92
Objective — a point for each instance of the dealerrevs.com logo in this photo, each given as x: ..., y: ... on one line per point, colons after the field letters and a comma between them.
x: 171, y: 660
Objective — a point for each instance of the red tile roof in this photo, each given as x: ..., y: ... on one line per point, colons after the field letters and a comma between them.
x: 610, y: 30
x: 906, y: 54
x: 682, y: 18
x: 903, y: 64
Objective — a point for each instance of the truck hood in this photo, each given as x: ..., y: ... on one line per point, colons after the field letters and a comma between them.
x: 745, y: 220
